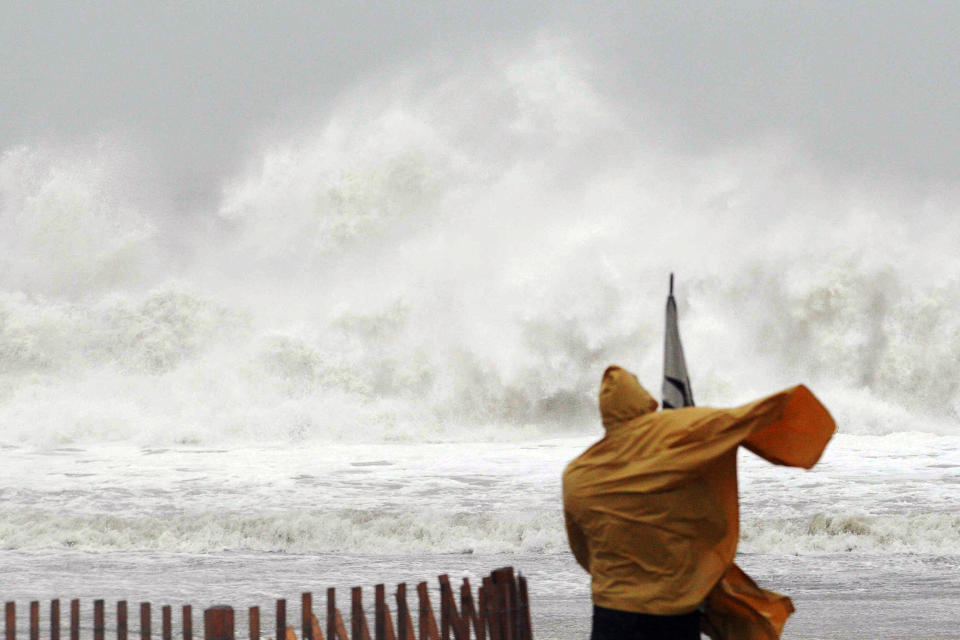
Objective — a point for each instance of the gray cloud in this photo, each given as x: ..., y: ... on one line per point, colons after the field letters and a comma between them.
x: 863, y: 88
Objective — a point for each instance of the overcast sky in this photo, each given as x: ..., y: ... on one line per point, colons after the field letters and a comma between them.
x: 862, y: 87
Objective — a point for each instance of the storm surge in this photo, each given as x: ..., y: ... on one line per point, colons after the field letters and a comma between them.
x: 428, y: 262
x: 428, y: 533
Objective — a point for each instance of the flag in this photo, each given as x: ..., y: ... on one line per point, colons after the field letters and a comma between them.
x: 676, y: 381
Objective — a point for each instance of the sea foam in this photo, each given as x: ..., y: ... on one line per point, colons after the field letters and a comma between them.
x: 420, y: 532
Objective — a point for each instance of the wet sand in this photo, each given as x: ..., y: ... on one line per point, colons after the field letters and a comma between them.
x: 837, y: 596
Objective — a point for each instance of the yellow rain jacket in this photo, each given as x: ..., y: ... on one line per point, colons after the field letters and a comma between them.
x: 652, y: 509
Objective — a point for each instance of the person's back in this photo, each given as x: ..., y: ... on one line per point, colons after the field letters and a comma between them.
x: 652, y: 513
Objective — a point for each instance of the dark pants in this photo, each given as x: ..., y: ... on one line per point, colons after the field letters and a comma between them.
x: 611, y: 624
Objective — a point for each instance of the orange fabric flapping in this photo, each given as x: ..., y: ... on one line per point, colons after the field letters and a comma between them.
x: 738, y: 609
x: 652, y: 509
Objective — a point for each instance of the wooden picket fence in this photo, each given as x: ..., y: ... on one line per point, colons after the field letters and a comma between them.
x: 501, y: 611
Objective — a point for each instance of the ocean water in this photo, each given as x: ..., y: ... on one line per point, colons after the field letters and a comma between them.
x: 369, y: 354
x: 858, y: 544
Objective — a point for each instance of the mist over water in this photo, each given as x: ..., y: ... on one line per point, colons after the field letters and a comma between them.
x: 457, y: 252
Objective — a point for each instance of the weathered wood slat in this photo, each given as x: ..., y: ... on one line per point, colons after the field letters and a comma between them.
x: 450, y: 617
x: 75, y: 619
x: 99, y: 622
x: 496, y: 610
x: 379, y: 612
x: 218, y: 623
x: 306, y: 611
x: 428, y: 624
x: 482, y: 596
x: 253, y: 621
x: 358, y: 619
x: 122, y: 620
x: 144, y: 621
x: 404, y: 623
x: 446, y: 623
x: 383, y: 625
x: 55, y: 620
x: 166, y: 622
x: 331, y: 613
x: 10, y: 615
x: 506, y: 588
x: 187, y: 622
x: 488, y: 609
x: 35, y: 620
x: 469, y: 610
x: 281, y: 619
x: 388, y: 630
x: 507, y: 617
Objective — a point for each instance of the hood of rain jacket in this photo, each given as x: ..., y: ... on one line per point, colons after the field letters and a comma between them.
x: 652, y: 509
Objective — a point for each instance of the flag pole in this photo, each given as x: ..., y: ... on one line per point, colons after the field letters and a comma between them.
x: 676, y: 391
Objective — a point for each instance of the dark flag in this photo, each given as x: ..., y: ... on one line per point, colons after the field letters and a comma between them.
x: 676, y: 381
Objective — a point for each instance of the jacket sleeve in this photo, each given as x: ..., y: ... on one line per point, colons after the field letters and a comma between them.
x: 578, y: 541
x: 789, y: 428
x: 798, y: 434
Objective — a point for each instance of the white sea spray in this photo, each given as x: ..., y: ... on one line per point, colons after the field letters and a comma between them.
x: 388, y: 274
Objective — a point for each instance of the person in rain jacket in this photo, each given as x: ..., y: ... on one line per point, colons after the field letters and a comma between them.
x: 652, y: 511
